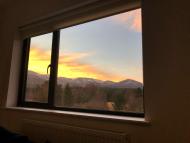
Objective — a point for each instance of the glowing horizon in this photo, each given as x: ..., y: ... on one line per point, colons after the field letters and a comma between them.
x: 93, y: 50
x: 69, y: 66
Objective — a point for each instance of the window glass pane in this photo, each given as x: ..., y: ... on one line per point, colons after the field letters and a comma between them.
x: 100, y: 64
x: 39, y: 59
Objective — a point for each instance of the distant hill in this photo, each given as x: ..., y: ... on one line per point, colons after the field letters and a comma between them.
x: 35, y: 79
x: 129, y: 83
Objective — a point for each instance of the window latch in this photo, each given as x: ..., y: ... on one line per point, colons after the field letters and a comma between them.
x: 49, y: 66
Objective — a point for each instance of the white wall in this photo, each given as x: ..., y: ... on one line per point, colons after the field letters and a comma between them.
x: 166, y: 71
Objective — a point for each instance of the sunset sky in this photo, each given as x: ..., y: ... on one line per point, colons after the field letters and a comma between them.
x: 105, y: 49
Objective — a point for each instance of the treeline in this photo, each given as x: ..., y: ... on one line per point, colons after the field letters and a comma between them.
x: 91, y: 97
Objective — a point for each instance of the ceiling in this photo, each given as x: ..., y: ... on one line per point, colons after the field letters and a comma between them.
x: 2, y: 2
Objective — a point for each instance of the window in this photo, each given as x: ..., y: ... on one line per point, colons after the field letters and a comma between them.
x: 36, y: 84
x: 91, y: 67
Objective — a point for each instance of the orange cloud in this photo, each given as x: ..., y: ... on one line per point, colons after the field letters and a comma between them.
x: 132, y: 19
x: 71, y: 65
x: 70, y: 57
x: 36, y: 54
x: 39, y: 60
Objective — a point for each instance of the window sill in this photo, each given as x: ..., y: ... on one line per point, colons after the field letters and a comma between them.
x: 126, y: 119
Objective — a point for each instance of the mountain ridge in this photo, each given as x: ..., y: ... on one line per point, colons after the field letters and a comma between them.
x: 35, y: 79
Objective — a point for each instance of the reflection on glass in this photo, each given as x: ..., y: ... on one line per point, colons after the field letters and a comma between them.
x: 39, y: 59
x: 100, y: 65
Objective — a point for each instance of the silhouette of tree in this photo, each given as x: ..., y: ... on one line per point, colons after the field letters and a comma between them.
x: 40, y: 92
x: 68, y: 97
x: 109, y: 94
x: 139, y: 91
x: 119, y: 101
x: 59, y: 94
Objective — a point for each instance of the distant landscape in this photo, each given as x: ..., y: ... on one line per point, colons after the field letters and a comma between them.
x: 88, y: 93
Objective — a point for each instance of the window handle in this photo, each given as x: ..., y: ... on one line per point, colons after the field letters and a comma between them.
x: 49, y: 66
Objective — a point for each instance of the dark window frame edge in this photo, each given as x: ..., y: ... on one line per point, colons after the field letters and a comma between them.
x: 54, y: 59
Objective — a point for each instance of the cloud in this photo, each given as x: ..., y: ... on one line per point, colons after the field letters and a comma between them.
x: 71, y: 65
x: 75, y: 65
x: 131, y: 19
x: 39, y: 59
x: 70, y: 57
x: 37, y: 54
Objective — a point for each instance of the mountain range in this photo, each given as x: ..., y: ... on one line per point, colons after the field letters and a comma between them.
x: 35, y: 79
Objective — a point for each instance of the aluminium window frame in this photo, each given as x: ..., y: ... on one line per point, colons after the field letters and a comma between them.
x: 53, y: 78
